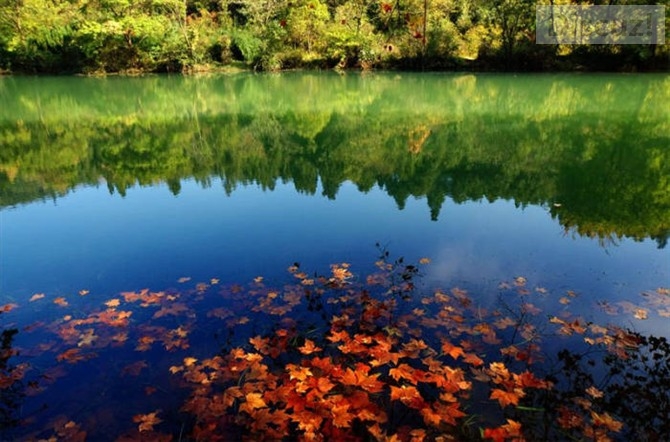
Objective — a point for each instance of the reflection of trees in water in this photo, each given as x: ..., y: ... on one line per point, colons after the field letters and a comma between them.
x: 11, y: 386
x: 631, y: 385
x: 597, y: 179
x: 608, y: 381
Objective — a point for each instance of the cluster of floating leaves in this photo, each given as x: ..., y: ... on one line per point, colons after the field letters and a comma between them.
x: 336, y: 357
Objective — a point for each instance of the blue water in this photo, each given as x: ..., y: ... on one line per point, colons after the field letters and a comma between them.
x: 105, y: 243
x: 63, y: 233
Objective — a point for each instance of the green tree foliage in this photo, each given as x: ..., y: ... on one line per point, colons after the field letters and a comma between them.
x: 184, y: 35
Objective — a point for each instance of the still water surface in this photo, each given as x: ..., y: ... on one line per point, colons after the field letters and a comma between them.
x: 119, y: 184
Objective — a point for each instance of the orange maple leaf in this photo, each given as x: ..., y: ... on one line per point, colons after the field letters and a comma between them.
x: 528, y: 379
x: 499, y: 372
x: 413, y: 348
x: 404, y: 371
x: 408, y: 395
x: 147, y: 421
x: 341, y: 417
x: 441, y: 413
x: 473, y: 359
x: 323, y: 385
x: 607, y: 421
x: 324, y: 365
x: 61, y: 301
x: 512, y: 429
x: 260, y: 344
x: 594, y: 392
x: 507, y: 397
x: 72, y: 356
x: 309, y: 347
x: 360, y: 378
x: 253, y: 401
x: 113, y: 303
x: 452, y: 350
x: 338, y: 336
x: 297, y: 372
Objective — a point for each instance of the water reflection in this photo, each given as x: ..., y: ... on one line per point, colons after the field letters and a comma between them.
x: 591, y: 149
x: 11, y: 380
x: 270, y: 170
x: 333, y: 355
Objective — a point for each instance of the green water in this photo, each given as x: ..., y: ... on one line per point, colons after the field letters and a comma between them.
x: 597, y: 145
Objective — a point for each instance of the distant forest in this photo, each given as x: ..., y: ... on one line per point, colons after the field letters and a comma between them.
x: 137, y: 36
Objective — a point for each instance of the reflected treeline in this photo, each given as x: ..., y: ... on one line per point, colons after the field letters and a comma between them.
x: 595, y: 150
x: 631, y: 385
x: 11, y: 386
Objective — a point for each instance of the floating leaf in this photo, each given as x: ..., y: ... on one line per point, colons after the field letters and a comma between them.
x: 252, y: 401
x: 640, y: 313
x: 309, y: 347
x: 87, y: 338
x: 520, y: 281
x: 112, y: 303
x: 73, y: 355
x: 147, y: 422
x: 510, y: 431
x: 507, y: 397
x: 135, y: 368
x: 452, y: 350
x: 408, y: 395
x: 61, y: 301
x: 36, y: 296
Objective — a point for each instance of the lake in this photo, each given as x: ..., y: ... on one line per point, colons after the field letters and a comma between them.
x: 171, y: 245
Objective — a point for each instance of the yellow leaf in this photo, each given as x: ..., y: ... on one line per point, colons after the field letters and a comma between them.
x: 253, y: 401
x: 113, y: 303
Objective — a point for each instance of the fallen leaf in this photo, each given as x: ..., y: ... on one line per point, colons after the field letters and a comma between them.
x: 309, y: 347
x: 147, y: 421
x: 252, y: 402
x: 640, y: 313
x: 506, y: 398
x: 112, y: 303
x: 594, y: 392
x: 134, y: 369
x: 61, y: 301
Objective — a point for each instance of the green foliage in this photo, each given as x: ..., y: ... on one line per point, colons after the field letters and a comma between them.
x: 168, y: 35
x: 307, y: 23
x: 246, y: 46
x: 351, y: 37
